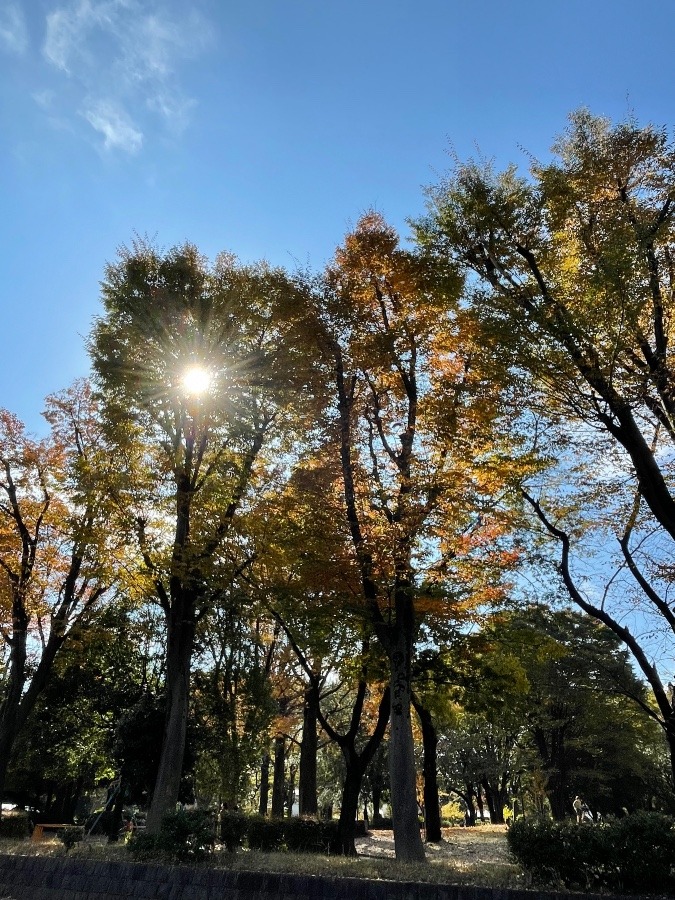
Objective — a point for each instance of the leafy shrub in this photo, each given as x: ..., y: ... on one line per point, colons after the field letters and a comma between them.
x: 635, y: 853
x: 184, y: 836
x: 15, y: 824
x: 265, y: 834
x: 310, y: 836
x: 233, y: 829
x: 644, y: 845
x: 70, y: 835
x: 144, y: 847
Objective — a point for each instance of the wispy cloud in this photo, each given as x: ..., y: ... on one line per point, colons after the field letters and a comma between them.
x: 13, y: 30
x: 117, y: 129
x: 122, y: 55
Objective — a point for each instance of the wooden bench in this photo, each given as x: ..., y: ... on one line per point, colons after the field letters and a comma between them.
x: 39, y: 830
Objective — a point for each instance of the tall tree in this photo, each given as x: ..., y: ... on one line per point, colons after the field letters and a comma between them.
x: 407, y: 447
x: 305, y: 567
x: 576, y: 288
x: 188, y: 359
x: 55, y: 551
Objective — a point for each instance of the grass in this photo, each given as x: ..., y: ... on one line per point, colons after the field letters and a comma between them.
x: 466, y: 856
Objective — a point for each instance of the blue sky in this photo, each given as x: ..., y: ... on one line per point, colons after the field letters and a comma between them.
x: 266, y: 127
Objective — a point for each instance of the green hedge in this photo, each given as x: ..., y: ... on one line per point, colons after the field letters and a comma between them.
x: 308, y: 836
x: 70, y: 835
x: 636, y: 853
x: 189, y: 836
x: 298, y: 835
x: 184, y: 836
x: 266, y: 834
x: 233, y: 829
x: 15, y: 825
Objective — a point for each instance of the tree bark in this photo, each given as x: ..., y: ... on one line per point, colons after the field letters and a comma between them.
x: 407, y: 839
x: 349, y: 809
x: 432, y: 806
x: 264, y: 785
x: 308, y: 802
x: 278, y: 786
x: 376, y: 799
x: 9, y: 712
x: 553, y: 756
x: 180, y: 640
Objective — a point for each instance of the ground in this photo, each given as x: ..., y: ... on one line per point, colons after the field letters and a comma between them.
x: 484, y: 844
x: 476, y: 856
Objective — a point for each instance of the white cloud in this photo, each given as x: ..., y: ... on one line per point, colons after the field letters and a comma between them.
x: 117, y: 129
x: 126, y: 54
x: 13, y: 30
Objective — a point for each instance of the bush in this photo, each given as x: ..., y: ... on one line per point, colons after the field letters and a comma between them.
x: 70, y: 836
x: 265, y: 834
x: 184, y: 836
x: 644, y: 845
x: 635, y: 853
x: 310, y: 836
x: 233, y: 829
x: 15, y: 825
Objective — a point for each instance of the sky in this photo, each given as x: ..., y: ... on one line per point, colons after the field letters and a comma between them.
x: 267, y: 127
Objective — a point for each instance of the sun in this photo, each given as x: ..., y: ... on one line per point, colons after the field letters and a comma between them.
x: 196, y: 380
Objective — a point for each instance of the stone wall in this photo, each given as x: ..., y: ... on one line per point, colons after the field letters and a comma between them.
x: 63, y: 878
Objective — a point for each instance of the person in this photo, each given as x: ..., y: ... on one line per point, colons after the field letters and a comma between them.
x: 578, y: 806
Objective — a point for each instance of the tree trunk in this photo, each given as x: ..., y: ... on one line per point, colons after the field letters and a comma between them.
x: 264, y: 784
x: 553, y: 756
x: 279, y: 776
x: 376, y: 798
x: 670, y: 740
x: 349, y: 809
x: 9, y: 711
x: 479, y: 803
x: 308, y: 803
x: 116, y: 812
x: 495, y: 801
x: 432, y: 806
x: 469, y: 812
x: 407, y: 840
x: 180, y: 639
x: 290, y: 796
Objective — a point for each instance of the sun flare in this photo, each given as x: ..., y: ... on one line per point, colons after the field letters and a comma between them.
x: 196, y: 380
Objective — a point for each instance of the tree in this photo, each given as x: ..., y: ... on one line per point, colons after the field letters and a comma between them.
x: 188, y: 359
x: 233, y: 704
x: 55, y: 551
x: 576, y: 292
x: 305, y: 567
x: 583, y: 710
x: 407, y: 415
